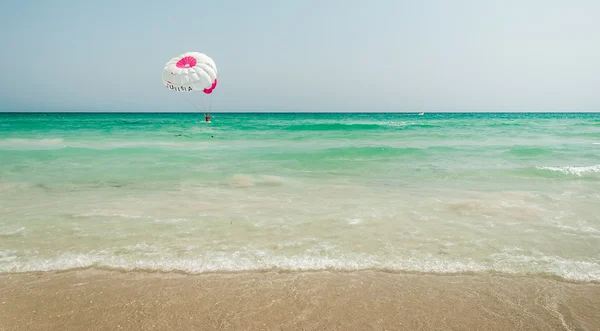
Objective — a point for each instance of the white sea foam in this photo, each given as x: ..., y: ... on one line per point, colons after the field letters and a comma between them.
x: 581, y: 228
x: 354, y: 221
x: 7, y: 257
x: 56, y: 143
x: 104, y: 213
x: 4, y: 232
x: 170, y: 220
x: 241, y: 180
x: 570, y: 170
x: 151, y: 257
x: 32, y: 143
x: 107, y: 145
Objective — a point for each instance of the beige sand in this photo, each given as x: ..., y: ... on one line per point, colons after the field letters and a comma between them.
x: 365, y: 300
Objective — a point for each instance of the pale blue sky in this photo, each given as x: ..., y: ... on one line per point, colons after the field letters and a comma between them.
x: 310, y: 55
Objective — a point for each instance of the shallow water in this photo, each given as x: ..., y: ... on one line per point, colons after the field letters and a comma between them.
x: 516, y: 193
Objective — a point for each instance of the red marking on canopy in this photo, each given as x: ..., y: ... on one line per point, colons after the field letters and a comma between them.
x: 211, y: 88
x: 186, y: 62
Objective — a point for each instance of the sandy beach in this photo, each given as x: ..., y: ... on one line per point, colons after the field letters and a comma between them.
x: 364, y: 300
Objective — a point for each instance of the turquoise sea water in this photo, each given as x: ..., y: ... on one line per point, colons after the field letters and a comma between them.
x: 515, y: 193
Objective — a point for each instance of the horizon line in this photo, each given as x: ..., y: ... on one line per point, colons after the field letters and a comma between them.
x: 302, y: 112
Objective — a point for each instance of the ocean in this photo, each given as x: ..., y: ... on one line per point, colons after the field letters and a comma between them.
x: 515, y: 193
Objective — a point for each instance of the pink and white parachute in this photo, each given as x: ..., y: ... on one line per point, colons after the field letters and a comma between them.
x: 190, y: 72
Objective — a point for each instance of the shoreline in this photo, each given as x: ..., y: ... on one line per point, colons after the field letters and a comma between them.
x: 91, y: 298
x: 148, y: 271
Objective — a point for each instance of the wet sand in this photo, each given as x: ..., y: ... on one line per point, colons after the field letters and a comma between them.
x: 363, y: 300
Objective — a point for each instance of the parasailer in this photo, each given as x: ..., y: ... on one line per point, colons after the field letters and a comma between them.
x: 192, y: 72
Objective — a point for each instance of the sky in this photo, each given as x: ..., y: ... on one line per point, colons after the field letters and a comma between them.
x: 309, y: 55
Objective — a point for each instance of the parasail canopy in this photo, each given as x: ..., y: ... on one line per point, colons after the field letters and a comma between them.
x: 190, y: 72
